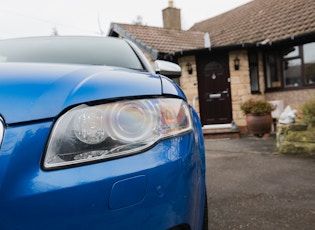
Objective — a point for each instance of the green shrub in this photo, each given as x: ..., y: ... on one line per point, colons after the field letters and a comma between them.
x: 257, y: 107
x: 308, y: 111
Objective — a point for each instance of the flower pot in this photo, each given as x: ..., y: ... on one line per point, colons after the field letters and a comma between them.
x: 259, y: 125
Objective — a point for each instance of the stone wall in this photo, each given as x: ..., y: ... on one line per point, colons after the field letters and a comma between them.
x: 296, y: 139
x: 294, y: 98
x: 189, y: 82
x: 240, y: 86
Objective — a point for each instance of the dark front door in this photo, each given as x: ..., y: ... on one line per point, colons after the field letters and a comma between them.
x: 214, y: 89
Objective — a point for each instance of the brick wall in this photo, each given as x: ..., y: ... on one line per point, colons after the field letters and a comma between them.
x: 294, y: 98
x: 189, y: 82
x: 171, y: 18
x: 240, y: 85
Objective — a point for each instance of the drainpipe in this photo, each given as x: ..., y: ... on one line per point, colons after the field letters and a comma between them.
x: 194, y: 101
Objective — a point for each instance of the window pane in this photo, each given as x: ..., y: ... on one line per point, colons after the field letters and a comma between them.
x: 272, y: 71
x: 309, y: 62
x: 72, y: 50
x: 292, y: 72
x: 291, y: 52
x: 253, y: 68
x: 254, y: 79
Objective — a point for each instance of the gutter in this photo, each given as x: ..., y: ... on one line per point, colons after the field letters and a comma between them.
x: 208, y: 49
x: 301, y: 38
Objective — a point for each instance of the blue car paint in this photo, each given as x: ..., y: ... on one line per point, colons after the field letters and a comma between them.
x: 171, y: 190
x: 170, y: 88
x: 57, y: 87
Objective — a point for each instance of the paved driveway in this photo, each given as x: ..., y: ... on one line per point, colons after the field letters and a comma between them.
x: 250, y: 186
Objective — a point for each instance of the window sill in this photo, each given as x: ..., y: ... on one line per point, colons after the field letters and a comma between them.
x: 290, y: 88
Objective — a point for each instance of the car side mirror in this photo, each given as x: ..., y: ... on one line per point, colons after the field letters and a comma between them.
x: 168, y: 69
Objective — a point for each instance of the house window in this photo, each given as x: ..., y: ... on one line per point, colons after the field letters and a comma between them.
x: 309, y: 63
x: 253, y: 68
x: 272, y: 70
x: 290, y: 67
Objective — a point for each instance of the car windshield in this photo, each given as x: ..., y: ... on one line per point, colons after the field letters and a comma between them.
x: 70, y: 50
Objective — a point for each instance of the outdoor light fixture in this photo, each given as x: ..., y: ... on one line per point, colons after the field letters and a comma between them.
x: 189, y: 68
x: 236, y: 63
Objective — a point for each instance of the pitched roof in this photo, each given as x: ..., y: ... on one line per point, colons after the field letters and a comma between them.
x: 260, y: 20
x: 157, y: 39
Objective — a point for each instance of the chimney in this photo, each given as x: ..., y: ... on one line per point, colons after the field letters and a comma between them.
x: 171, y: 3
x: 171, y: 17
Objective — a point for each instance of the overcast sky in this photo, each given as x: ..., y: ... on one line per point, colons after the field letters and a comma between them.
x: 20, y: 18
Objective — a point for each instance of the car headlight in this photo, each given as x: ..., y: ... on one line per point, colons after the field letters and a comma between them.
x: 101, y: 132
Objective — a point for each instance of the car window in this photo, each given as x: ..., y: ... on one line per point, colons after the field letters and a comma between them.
x: 72, y: 50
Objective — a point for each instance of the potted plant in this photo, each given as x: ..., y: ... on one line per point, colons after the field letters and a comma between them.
x: 258, y: 116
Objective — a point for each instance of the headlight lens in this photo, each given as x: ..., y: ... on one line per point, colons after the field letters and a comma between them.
x: 93, y: 133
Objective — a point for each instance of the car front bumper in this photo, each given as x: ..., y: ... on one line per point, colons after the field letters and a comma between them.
x: 156, y: 189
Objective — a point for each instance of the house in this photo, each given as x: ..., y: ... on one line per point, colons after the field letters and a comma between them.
x: 263, y: 49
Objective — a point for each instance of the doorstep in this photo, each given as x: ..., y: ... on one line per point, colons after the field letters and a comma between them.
x: 220, y: 131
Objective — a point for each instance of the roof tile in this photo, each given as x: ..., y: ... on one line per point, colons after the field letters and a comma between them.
x: 165, y: 40
x: 259, y: 20
x: 256, y: 21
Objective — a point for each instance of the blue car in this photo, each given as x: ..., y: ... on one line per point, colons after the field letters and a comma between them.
x: 92, y: 138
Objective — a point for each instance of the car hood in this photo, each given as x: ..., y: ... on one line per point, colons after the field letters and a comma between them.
x: 31, y: 92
